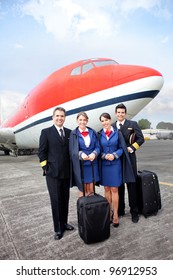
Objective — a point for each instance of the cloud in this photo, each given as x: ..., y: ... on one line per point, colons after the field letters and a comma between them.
x: 160, y: 108
x: 159, y: 8
x: 18, y: 46
x: 69, y: 19
x: 165, y: 40
x: 164, y: 101
x: 81, y: 29
x: 9, y: 103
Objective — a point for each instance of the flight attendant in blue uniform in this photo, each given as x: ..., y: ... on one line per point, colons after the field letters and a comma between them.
x: 84, y: 149
x: 111, y: 167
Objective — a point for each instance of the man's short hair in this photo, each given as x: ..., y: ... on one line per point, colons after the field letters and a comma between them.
x: 121, y: 106
x: 59, y: 109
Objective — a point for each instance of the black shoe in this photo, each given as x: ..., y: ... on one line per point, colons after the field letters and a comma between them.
x: 115, y: 224
x: 68, y: 227
x: 135, y: 219
x: 58, y: 235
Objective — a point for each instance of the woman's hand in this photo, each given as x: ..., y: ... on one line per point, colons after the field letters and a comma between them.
x: 91, y: 157
x: 84, y: 156
x: 109, y: 157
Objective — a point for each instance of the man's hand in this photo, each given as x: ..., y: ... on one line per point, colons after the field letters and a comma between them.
x: 130, y: 150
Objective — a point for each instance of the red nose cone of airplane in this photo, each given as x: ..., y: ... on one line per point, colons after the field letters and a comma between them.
x: 129, y: 73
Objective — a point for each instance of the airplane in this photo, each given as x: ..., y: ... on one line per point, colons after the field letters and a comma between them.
x: 94, y: 85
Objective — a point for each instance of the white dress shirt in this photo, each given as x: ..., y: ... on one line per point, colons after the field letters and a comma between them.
x: 118, y: 123
x: 58, y: 129
x: 87, y: 139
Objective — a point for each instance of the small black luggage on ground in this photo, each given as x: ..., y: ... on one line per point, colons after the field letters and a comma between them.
x: 93, y: 218
x: 93, y: 212
x: 149, y: 198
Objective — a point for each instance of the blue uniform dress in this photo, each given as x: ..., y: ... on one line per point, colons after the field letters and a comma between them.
x: 76, y: 147
x: 111, y: 171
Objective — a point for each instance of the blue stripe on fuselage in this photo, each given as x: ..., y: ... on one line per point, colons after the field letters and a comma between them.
x: 104, y: 103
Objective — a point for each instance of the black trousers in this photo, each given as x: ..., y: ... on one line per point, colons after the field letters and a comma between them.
x: 59, y: 198
x: 132, y: 196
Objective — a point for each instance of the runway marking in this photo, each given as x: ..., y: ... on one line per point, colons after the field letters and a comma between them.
x: 167, y: 184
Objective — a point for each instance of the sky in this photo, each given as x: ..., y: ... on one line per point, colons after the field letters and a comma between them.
x: 40, y: 36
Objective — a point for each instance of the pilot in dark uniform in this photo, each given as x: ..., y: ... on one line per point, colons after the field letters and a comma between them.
x: 54, y: 159
x: 134, y: 139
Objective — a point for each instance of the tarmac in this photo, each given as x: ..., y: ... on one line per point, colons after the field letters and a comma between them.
x: 26, y: 229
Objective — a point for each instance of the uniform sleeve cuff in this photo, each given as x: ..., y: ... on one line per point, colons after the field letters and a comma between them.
x: 115, y: 155
x: 103, y: 156
x: 80, y: 154
x: 135, y: 145
x: 43, y: 163
x: 94, y: 152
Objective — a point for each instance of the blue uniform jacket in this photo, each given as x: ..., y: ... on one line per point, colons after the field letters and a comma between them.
x: 128, y: 173
x: 113, y: 146
x: 76, y: 179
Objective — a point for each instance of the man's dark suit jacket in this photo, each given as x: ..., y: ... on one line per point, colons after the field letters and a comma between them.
x: 131, y: 127
x: 54, y: 153
x: 55, y: 161
x: 133, y: 138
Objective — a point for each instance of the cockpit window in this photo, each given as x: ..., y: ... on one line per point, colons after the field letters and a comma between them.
x: 88, y: 66
x: 76, y: 71
x: 104, y: 62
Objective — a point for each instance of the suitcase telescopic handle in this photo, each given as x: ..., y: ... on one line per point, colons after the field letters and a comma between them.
x: 82, y: 176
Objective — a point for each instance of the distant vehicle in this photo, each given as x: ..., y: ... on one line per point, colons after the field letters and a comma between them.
x: 150, y: 133
x: 164, y: 134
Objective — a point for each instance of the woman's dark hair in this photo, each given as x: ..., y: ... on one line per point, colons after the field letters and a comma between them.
x: 105, y: 115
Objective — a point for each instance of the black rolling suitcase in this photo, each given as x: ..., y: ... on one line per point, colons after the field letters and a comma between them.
x: 93, y: 213
x: 149, y: 198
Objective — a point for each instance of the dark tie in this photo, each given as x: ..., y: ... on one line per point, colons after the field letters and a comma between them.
x: 61, y: 134
x: 120, y: 125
